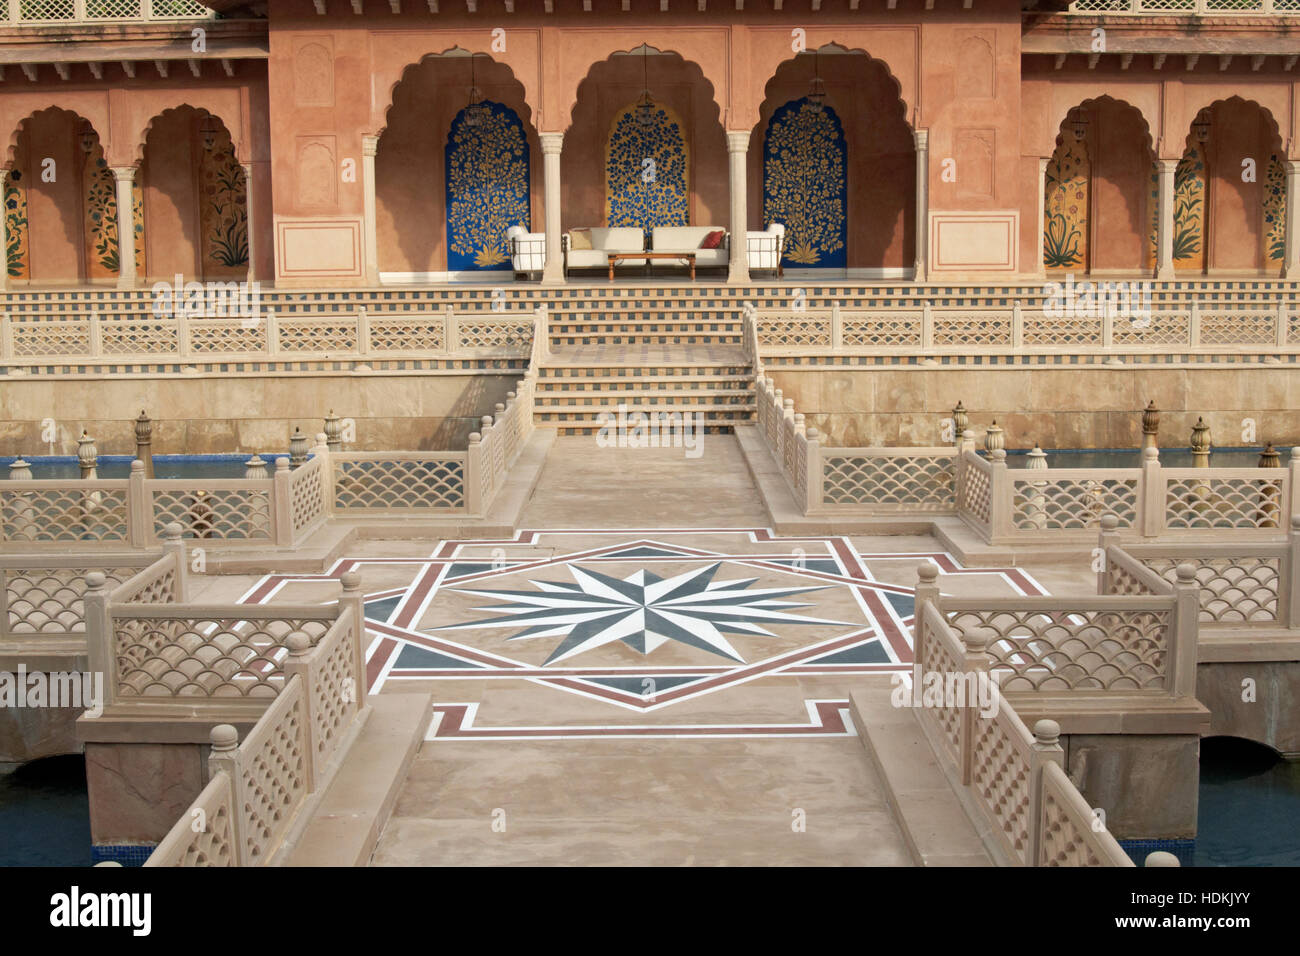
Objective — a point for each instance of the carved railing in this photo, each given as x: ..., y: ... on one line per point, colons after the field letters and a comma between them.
x: 1187, y: 8
x: 1200, y: 327
x: 262, y: 790
x: 263, y: 335
x: 99, y: 12
x: 1011, y: 777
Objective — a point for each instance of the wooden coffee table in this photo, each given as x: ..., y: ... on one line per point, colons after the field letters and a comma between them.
x: 614, y: 257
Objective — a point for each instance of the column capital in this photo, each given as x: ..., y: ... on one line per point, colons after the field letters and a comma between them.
x: 369, y: 145
x: 1168, y: 166
x: 124, y: 174
x: 921, y: 138
x: 1293, y: 166
x: 738, y: 141
x: 552, y: 143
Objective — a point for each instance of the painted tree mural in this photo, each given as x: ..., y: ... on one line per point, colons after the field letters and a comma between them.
x: 223, y: 209
x: 487, y: 187
x: 805, y: 184
x: 647, y: 179
x: 1065, y: 209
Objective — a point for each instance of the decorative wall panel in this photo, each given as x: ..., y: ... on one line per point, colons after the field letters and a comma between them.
x: 487, y: 187
x: 647, y: 170
x: 1065, y: 230
x: 805, y: 183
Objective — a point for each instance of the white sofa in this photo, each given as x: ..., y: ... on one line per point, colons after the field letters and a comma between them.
x: 764, y: 249
x: 688, y: 239
x: 604, y: 240
x: 527, y: 249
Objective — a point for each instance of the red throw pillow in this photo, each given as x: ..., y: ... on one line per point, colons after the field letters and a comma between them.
x: 713, y: 239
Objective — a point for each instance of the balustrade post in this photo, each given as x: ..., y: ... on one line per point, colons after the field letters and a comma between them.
x: 1292, y: 498
x: 1001, y: 499
x: 282, y: 504
x: 223, y: 755
x: 1194, y: 325
x: 927, y: 592
x: 322, y: 451
x: 354, y: 599
x: 1279, y: 334
x: 1181, y: 679
x: 1017, y: 327
x: 927, y: 328
x: 96, y: 336
x: 174, y: 544
x: 450, y: 330
x: 139, y: 507
x: 542, y: 331
x: 1108, y: 330
x: 298, y: 664
x: 363, y: 331
x: 815, y: 473
x: 1047, y: 749
x: 1152, y: 494
x: 1107, y: 538
x: 182, y: 336
x: 6, y: 337
x: 272, y: 332
x: 473, y: 471
x: 837, y: 328
x: 99, y: 635
x: 977, y: 640
x: 1288, y: 598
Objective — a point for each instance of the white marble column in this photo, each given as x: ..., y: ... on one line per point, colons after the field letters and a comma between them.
x: 370, y: 234
x: 922, y: 139
x: 125, y: 176
x: 738, y: 156
x: 1291, y: 251
x: 1040, y: 267
x: 249, y: 222
x: 552, y: 145
x: 1165, y: 218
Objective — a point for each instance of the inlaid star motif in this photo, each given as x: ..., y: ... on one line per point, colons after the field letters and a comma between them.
x: 644, y: 611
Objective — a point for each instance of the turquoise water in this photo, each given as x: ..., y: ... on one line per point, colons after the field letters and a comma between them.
x: 45, y: 814
x: 1249, y: 806
x: 164, y: 466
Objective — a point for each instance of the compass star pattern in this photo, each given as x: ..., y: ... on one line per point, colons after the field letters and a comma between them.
x: 643, y: 610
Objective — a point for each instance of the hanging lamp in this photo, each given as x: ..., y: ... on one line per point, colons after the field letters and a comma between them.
x: 816, y: 87
x: 645, y: 107
x: 476, y: 112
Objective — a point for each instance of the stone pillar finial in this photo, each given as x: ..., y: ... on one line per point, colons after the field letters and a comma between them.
x: 297, y: 447
x: 994, y: 437
x: 1037, y: 459
x: 20, y: 470
x: 144, y: 442
x: 960, y: 419
x: 1150, y: 425
x: 333, y: 430
x: 1201, y: 446
x: 255, y: 468
x: 1270, y: 457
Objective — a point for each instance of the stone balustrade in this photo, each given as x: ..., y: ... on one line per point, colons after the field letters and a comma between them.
x: 1187, y: 8
x: 261, y: 790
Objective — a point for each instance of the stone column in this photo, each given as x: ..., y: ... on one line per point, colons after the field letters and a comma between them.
x: 922, y: 140
x: 125, y: 226
x: 1040, y: 268
x: 552, y: 144
x: 370, y: 235
x: 1291, y: 252
x: 1165, y: 219
x: 248, y: 203
x: 738, y: 156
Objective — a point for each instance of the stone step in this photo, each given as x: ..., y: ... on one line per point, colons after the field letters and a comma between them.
x: 659, y: 400
x: 603, y: 381
x: 729, y: 410
x: 712, y: 393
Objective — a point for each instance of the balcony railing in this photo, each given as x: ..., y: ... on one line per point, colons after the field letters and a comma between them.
x: 1188, y: 8
x: 57, y: 12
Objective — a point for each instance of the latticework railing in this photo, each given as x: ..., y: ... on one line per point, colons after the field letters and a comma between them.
x: 1187, y: 8
x: 263, y: 334
x: 1198, y: 328
x: 1013, y: 778
x: 88, y: 12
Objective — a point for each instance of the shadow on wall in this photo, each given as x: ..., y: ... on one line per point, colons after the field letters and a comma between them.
x: 478, y: 398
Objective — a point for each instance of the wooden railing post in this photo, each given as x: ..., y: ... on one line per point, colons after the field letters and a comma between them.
x: 1047, y: 749
x: 224, y: 756
x: 353, y: 601
x: 1151, y: 494
x: 1181, y: 680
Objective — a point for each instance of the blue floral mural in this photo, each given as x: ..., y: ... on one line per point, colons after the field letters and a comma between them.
x: 805, y: 184
x: 487, y: 188
x: 647, y: 171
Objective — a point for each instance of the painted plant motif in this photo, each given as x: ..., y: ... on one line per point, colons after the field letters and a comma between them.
x: 805, y: 183
x: 1275, y: 210
x: 15, y: 200
x: 1189, y: 209
x: 223, y: 198
x: 101, y: 216
x: 1066, y: 183
x: 487, y: 187
x: 646, y: 171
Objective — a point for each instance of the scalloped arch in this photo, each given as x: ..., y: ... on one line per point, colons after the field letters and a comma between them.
x: 1146, y: 123
x: 1243, y: 101
x: 720, y: 109
x: 11, y: 153
x: 203, y: 111
x: 524, y: 112
x: 769, y: 106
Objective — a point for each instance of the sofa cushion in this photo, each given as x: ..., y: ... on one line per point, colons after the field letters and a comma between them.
x: 596, y: 258
x: 618, y: 238
x: 679, y: 238
x: 713, y: 240
x: 580, y: 239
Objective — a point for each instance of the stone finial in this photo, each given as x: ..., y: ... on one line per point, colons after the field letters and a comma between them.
x: 1270, y: 457
x: 137, y: 467
x: 978, y: 638
x: 351, y: 581
x: 927, y: 573
x: 1109, y: 522
x: 994, y: 437
x: 1186, y: 573
x: 255, y: 468
x: 20, y: 470
x: 960, y: 420
x: 143, y: 429
x: 298, y: 643
x: 297, y: 447
x: 813, y: 434
x: 1161, y: 858
x: 1150, y: 453
x: 998, y: 454
x: 322, y: 440
x: 1047, y: 733
x: 95, y: 580
x: 173, y: 531
x: 333, y: 431
x: 1037, y: 459
x: 224, y: 738
x: 282, y: 464
x: 1295, y: 522
x: 87, y: 453
x: 1200, y: 437
x: 1150, y: 425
